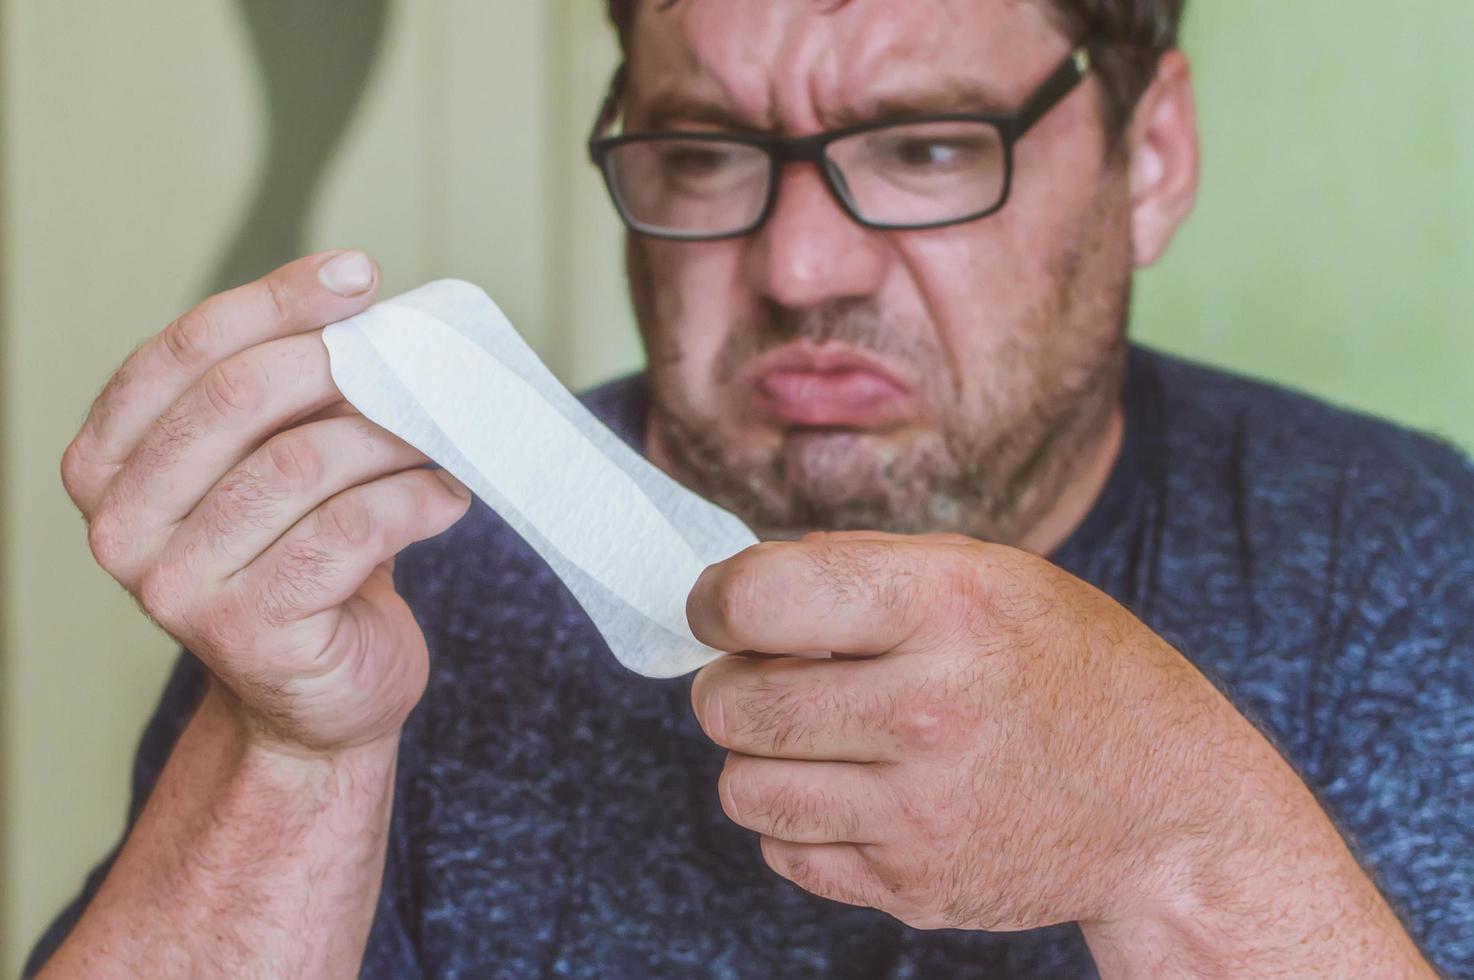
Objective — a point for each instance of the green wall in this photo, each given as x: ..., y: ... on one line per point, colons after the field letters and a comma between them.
x: 1333, y: 246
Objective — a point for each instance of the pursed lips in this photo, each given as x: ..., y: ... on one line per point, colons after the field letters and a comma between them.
x: 829, y: 386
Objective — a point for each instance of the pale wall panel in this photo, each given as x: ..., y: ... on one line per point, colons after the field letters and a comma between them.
x: 133, y: 142
x: 445, y: 170
x: 121, y: 183
x: 600, y: 337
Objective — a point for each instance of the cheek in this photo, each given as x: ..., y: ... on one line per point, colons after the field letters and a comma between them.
x: 977, y: 284
x: 997, y: 289
x: 694, y: 299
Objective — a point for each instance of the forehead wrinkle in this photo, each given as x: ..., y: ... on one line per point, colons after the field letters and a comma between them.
x: 876, y: 45
x: 807, y: 56
x: 940, y: 55
x: 801, y: 65
x: 882, y: 32
x: 731, y: 56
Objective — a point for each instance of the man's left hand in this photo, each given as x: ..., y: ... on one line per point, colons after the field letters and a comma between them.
x: 996, y: 746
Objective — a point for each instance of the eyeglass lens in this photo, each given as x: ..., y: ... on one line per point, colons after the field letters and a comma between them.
x: 909, y: 174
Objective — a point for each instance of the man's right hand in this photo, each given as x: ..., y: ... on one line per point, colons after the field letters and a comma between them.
x: 255, y: 516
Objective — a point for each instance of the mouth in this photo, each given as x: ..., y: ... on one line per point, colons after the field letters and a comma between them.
x: 829, y: 386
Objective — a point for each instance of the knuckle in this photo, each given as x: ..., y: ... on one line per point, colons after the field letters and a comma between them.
x: 162, y: 598
x: 277, y: 295
x: 815, y: 877
x: 190, y: 339
x: 896, y: 881
x: 733, y: 791
x: 919, y: 726
x: 956, y: 580
x: 964, y: 605
x: 711, y: 713
x: 1023, y: 597
x: 235, y: 387
x: 803, y: 873
x: 425, y: 495
x: 935, y: 716
x: 343, y: 524
x: 795, y: 869
x: 105, y: 539
x: 74, y: 470
x: 296, y: 459
x: 224, y: 625
x: 738, y: 598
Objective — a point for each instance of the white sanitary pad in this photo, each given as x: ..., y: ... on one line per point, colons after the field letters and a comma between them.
x: 442, y: 368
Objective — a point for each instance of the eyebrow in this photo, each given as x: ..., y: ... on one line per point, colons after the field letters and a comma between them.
x: 672, y: 108
x: 950, y: 94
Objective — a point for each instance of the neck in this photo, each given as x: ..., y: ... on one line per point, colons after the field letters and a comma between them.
x: 1080, y: 492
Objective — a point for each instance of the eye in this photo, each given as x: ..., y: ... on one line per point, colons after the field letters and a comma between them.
x: 935, y: 154
x: 692, y: 161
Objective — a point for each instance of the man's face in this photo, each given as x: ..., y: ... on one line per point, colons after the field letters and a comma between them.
x: 817, y: 374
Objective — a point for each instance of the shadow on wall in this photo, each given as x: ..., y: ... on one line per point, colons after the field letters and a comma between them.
x: 316, y: 57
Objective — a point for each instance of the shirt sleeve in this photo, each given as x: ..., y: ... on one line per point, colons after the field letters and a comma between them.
x: 1400, y: 751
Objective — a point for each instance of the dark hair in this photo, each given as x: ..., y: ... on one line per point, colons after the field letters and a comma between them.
x: 1133, y: 34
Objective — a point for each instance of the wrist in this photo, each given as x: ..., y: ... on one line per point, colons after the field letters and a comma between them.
x: 1249, y: 877
x: 259, y: 761
x: 262, y: 742
x: 250, y: 856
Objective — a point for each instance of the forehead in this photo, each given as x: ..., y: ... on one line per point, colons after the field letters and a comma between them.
x: 791, y: 63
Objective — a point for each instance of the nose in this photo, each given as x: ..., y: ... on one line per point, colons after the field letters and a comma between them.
x: 810, y: 251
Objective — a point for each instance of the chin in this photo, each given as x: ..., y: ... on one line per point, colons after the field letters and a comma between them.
x: 840, y: 458
x: 847, y: 480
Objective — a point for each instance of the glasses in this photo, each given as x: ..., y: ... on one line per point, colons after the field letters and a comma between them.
x: 898, y: 175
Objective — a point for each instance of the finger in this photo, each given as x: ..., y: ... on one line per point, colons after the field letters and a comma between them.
x: 800, y: 709
x: 302, y: 295
x: 336, y: 410
x: 837, y: 872
x: 844, y: 536
x: 278, y: 485
x: 879, y: 536
x: 848, y: 596
x: 328, y: 554
x: 217, y: 421
x: 806, y: 802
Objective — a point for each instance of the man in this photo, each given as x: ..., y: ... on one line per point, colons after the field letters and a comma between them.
x: 882, y: 272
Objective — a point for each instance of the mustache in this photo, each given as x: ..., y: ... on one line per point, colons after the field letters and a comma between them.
x: 856, y: 322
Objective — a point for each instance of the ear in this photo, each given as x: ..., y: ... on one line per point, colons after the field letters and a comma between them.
x: 1163, y: 144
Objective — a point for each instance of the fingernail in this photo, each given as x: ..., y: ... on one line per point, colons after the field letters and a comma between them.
x: 349, y: 274
x: 456, y: 486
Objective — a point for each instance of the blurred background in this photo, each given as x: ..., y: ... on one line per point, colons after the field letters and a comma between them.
x: 151, y: 153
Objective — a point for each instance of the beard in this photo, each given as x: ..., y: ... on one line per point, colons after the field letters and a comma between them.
x: 1004, y: 438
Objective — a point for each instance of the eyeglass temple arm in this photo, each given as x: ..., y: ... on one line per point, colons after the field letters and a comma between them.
x: 1057, y: 86
x: 609, y: 109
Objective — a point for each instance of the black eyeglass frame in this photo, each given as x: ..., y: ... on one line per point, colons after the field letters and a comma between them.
x: 783, y: 150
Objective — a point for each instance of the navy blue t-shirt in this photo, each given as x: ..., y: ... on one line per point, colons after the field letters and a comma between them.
x: 556, y: 815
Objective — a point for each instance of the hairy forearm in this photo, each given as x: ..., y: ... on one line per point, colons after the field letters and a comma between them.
x: 247, y: 861
x: 1268, y: 888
